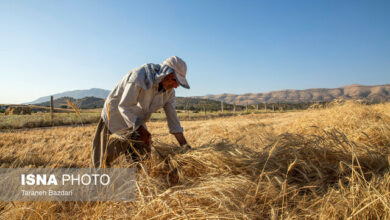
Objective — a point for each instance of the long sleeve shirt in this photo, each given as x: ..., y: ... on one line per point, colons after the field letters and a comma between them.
x: 129, y: 106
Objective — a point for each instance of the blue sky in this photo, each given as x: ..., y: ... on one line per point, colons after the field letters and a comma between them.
x: 236, y: 47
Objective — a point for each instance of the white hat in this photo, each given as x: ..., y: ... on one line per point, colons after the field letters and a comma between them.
x: 180, y: 68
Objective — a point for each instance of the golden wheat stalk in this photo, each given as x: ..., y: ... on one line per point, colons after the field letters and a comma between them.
x: 75, y: 110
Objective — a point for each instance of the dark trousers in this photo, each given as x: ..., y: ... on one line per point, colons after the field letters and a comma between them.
x: 104, y: 151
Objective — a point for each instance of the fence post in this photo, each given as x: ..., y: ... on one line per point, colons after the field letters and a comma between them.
x: 265, y: 106
x: 246, y: 107
x: 222, y: 106
x: 51, y: 109
x: 234, y: 107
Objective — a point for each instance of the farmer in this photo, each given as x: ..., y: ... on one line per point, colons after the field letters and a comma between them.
x: 131, y: 103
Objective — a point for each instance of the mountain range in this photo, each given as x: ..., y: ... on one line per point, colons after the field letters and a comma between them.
x: 76, y: 94
x: 362, y: 92
x: 368, y: 93
x: 88, y: 102
x: 181, y: 103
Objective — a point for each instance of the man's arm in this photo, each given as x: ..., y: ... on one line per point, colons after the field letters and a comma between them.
x: 173, y: 121
x: 130, y: 111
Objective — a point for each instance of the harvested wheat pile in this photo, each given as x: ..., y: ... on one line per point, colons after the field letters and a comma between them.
x: 128, y: 143
x: 328, y: 163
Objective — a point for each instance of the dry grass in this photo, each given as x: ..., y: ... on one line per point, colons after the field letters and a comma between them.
x: 329, y: 163
x: 88, y: 116
x: 44, y: 120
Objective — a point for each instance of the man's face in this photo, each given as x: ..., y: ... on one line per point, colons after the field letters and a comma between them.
x: 169, y: 82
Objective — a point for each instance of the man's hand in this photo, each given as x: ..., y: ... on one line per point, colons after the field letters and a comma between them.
x: 145, y: 136
x: 183, y: 142
x: 181, y: 139
x: 186, y: 148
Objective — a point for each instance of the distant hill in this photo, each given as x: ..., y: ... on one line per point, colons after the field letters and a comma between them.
x: 76, y: 94
x: 199, y: 104
x: 367, y: 93
x: 181, y: 103
x: 83, y: 103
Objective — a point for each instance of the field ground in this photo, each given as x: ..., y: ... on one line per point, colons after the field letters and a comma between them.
x: 69, y: 117
x: 330, y: 163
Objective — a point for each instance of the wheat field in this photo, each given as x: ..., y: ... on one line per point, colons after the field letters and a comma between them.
x: 328, y: 163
